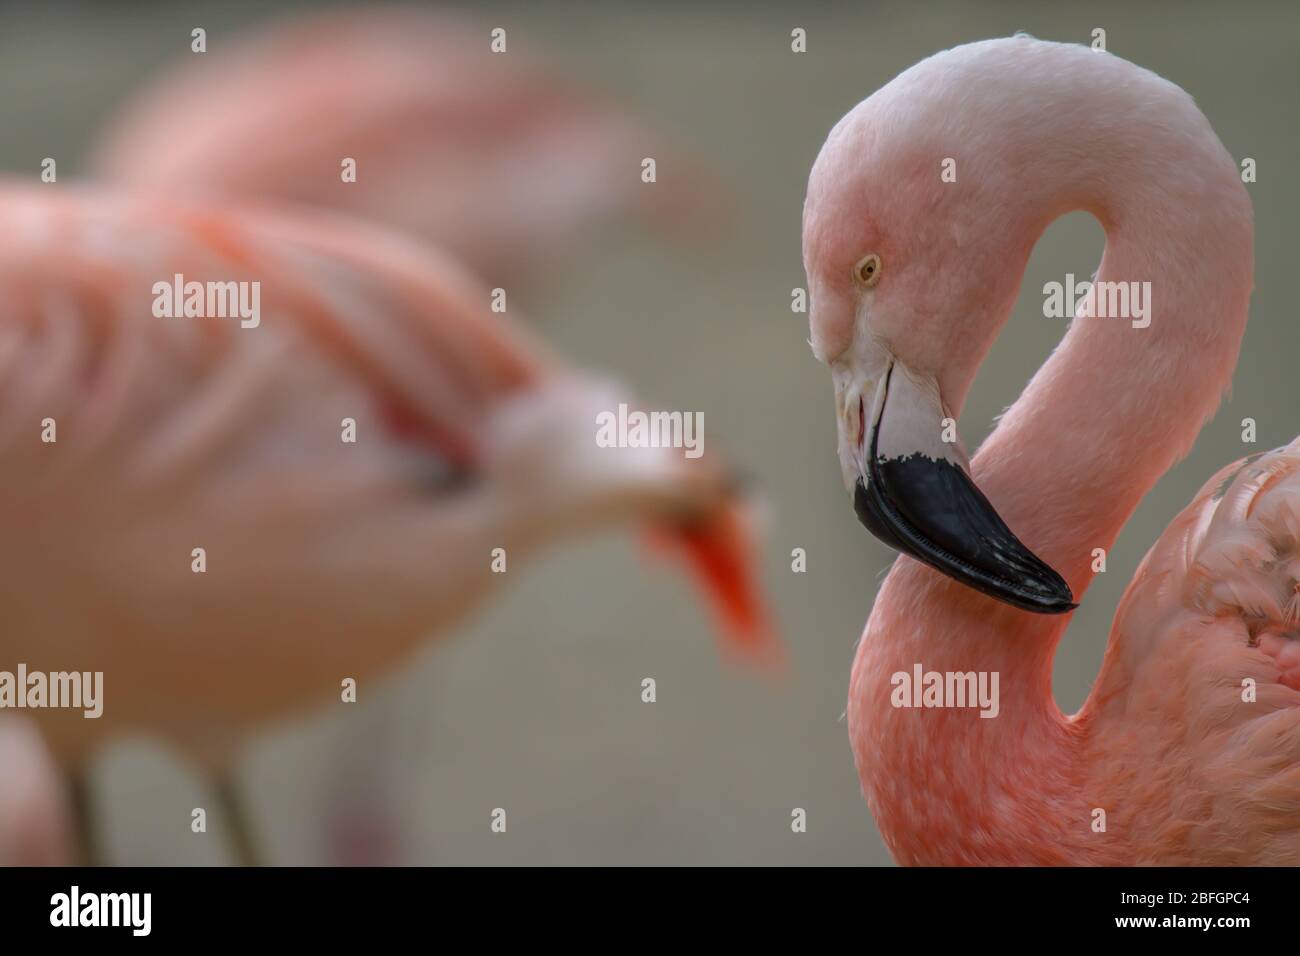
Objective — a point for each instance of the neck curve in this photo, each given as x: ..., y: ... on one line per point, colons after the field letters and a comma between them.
x: 1100, y: 422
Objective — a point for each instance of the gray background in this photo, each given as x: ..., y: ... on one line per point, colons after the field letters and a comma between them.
x: 535, y: 705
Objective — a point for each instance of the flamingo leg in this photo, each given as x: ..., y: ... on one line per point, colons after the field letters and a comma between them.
x: 244, y: 844
x: 85, y: 825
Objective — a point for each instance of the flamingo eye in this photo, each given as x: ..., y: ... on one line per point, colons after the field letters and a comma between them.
x: 867, y: 272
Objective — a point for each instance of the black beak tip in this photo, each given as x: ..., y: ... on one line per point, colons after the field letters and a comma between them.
x: 1036, y: 579
x: 1057, y: 599
x: 933, y: 512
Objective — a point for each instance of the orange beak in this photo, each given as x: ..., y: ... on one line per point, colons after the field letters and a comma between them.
x: 720, y: 551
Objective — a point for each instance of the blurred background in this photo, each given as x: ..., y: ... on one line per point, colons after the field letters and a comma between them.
x: 535, y: 705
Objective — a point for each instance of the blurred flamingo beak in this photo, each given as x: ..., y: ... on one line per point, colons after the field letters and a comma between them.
x: 720, y: 550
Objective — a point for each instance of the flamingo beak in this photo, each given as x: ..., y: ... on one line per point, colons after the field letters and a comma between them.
x: 912, y: 490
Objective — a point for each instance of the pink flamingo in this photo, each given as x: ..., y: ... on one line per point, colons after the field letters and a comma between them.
x: 495, y: 156
x: 1188, y: 749
x: 323, y: 558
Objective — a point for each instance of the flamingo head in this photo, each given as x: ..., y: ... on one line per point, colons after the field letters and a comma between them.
x: 915, y: 238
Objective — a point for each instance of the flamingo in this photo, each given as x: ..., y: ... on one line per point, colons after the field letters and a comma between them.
x: 323, y: 558
x: 1187, y: 751
x: 497, y: 157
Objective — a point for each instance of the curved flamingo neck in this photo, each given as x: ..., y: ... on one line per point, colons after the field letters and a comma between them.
x: 1101, y: 421
x: 1116, y: 405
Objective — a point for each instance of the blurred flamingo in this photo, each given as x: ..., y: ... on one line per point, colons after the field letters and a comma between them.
x: 497, y: 157
x: 1188, y: 749
x: 325, y: 559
